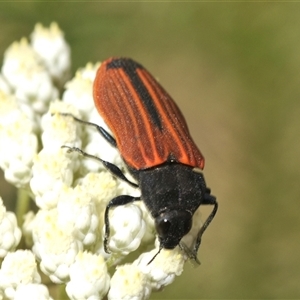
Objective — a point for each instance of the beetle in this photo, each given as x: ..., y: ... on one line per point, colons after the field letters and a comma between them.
x: 154, y: 141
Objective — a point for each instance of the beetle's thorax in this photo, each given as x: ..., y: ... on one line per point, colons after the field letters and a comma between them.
x: 171, y: 186
x: 172, y: 192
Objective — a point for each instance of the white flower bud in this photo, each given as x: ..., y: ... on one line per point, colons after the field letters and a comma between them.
x: 18, y: 57
x: 127, y: 228
x: 101, y: 186
x: 54, y: 51
x: 89, y: 278
x: 164, y: 268
x: 18, y: 268
x: 51, y: 173
x: 59, y: 130
x: 76, y: 210
x: 26, y: 74
x: 54, y: 245
x: 129, y: 283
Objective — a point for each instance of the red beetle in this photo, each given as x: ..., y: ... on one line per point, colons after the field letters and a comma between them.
x: 154, y: 141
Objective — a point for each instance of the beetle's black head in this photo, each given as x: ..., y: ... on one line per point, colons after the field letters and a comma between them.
x: 171, y: 226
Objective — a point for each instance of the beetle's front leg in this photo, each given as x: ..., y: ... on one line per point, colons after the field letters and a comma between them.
x: 120, y: 200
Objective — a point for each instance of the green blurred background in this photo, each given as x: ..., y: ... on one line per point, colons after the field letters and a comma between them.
x: 234, y: 69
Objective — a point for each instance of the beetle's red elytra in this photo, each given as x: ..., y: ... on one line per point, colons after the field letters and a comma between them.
x: 149, y: 127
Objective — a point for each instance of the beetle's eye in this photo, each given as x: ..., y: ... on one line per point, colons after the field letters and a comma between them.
x: 163, y: 227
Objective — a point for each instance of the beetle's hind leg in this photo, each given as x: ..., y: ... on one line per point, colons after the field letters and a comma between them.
x: 109, y: 138
x: 113, y: 169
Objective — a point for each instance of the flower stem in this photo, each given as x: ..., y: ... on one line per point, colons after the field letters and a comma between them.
x: 22, y: 205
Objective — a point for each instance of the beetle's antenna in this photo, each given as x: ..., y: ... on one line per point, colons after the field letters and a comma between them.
x: 154, y: 256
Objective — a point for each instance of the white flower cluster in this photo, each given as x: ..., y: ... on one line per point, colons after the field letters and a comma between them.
x: 65, y: 234
x: 19, y: 277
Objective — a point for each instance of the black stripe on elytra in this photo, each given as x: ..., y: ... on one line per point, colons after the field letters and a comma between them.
x: 130, y: 66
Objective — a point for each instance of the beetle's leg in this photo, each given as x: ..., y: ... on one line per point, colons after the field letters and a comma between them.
x: 189, y: 252
x: 207, y: 200
x: 109, y: 166
x: 113, y: 169
x: 109, y: 138
x: 120, y: 200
